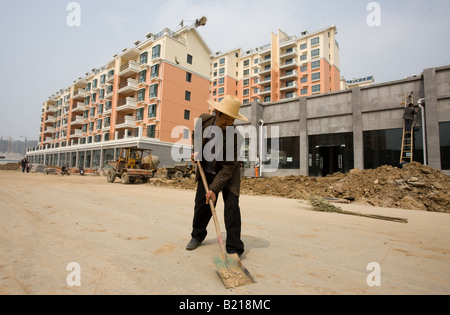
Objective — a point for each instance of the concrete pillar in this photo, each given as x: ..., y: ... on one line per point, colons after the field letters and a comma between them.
x: 358, y: 143
x: 432, y: 119
x: 304, y: 149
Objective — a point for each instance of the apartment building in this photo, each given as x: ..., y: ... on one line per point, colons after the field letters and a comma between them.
x: 287, y: 67
x: 137, y: 98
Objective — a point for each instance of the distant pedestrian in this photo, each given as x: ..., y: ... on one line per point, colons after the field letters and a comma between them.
x: 28, y: 167
x: 24, y: 164
x: 257, y: 165
x: 409, y: 114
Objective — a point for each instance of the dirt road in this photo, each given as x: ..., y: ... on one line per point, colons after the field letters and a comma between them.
x: 131, y: 240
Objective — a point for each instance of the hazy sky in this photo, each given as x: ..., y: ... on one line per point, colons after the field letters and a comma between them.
x: 42, y: 54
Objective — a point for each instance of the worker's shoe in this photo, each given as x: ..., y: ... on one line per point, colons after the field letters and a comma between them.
x: 193, y: 244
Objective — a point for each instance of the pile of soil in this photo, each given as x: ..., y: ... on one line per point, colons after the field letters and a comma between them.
x: 9, y: 167
x: 415, y: 187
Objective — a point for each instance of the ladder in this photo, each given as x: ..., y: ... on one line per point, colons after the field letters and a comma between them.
x: 408, y: 137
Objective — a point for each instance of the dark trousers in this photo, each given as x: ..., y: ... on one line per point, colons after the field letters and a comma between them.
x: 232, y: 213
x: 408, y: 125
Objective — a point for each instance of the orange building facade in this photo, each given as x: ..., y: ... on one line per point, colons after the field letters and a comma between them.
x: 287, y: 67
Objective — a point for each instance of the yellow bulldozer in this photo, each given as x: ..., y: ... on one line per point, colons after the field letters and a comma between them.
x: 133, y: 165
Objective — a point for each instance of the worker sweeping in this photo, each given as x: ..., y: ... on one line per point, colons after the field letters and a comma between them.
x: 222, y: 176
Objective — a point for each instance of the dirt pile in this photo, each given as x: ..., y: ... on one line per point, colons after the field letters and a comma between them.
x: 415, y: 187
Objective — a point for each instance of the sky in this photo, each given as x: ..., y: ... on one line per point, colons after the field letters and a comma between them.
x: 41, y: 53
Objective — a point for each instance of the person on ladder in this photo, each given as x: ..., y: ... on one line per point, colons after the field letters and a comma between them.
x: 409, y: 114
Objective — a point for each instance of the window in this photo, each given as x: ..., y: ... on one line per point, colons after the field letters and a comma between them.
x: 246, y: 82
x: 303, y: 46
x: 103, y: 79
x: 186, y: 134
x: 102, y: 94
x: 88, y: 87
x: 100, y: 109
x: 290, y: 95
x: 141, y: 95
x: 246, y: 92
x: 304, y: 91
x: 267, y: 99
x: 303, y: 57
x: 91, y: 126
x: 221, y: 71
x: 87, y: 100
x: 151, y: 131
x: 188, y: 77
x: 142, y: 76
x: 154, y: 91
x: 143, y: 59
x: 187, y: 114
x: 152, y: 111
x: 221, y: 81
x: 155, y: 71
x: 246, y: 72
x: 221, y: 91
x: 99, y: 124
x: 92, y: 112
x: 156, y: 51
x: 94, y: 97
x: 187, y: 96
x: 315, y: 88
x: 304, y: 68
x: 221, y: 61
x: 304, y: 79
x: 140, y: 114
x: 94, y: 84
x: 86, y: 114
x: 84, y: 128
x: 315, y: 53
x: 315, y: 65
x: 315, y: 41
x: 189, y: 59
x: 246, y: 63
x: 315, y: 76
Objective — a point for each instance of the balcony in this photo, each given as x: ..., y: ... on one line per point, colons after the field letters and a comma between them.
x: 288, y: 42
x: 77, y: 121
x: 289, y: 64
x: 52, y: 109
x: 127, y: 122
x: 293, y: 95
x: 79, y: 107
x: 265, y: 92
x: 265, y: 81
x: 48, y: 140
x: 264, y: 71
x: 77, y: 133
x: 129, y: 103
x: 106, y: 128
x: 266, y: 61
x: 50, y: 119
x: 110, y: 77
x: 80, y: 94
x: 289, y: 75
x: 49, y: 130
x: 109, y: 93
x: 130, y: 68
x: 292, y: 86
x: 130, y: 85
x: 292, y: 52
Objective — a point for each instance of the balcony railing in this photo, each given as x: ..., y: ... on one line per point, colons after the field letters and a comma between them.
x: 80, y: 107
x: 77, y: 121
x: 126, y: 104
x: 126, y: 122
x: 131, y: 67
x: 130, y: 85
x: 80, y: 94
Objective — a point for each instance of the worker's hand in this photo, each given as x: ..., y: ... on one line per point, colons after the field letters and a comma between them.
x: 194, y: 157
x: 211, y: 196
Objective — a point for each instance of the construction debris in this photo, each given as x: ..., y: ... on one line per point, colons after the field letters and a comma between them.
x: 415, y: 187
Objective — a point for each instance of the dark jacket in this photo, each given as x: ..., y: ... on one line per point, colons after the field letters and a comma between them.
x: 228, y: 172
x: 409, y: 113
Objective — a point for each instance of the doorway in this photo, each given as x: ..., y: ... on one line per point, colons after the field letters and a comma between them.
x: 331, y: 160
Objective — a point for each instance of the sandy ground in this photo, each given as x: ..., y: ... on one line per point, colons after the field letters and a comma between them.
x: 131, y: 240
